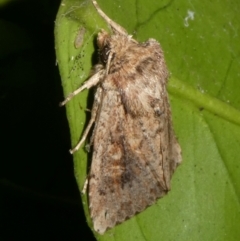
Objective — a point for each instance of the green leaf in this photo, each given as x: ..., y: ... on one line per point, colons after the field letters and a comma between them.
x: 202, y: 51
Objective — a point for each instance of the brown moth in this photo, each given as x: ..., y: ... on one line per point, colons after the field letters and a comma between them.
x: 135, y: 151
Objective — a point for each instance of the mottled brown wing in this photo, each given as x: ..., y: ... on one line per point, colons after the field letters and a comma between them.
x: 135, y: 151
x: 133, y: 160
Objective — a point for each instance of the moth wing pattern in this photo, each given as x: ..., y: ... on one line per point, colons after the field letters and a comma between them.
x: 135, y: 151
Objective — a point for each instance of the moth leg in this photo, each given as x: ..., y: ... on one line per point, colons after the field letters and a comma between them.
x: 87, y: 85
x: 85, y: 186
x: 114, y: 26
x: 85, y: 134
x: 94, y: 111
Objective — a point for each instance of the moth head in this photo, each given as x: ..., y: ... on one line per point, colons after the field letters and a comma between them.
x: 103, y: 42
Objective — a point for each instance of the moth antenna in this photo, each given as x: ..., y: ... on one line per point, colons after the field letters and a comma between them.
x: 116, y: 28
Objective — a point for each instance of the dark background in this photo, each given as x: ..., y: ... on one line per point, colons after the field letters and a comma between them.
x: 39, y: 198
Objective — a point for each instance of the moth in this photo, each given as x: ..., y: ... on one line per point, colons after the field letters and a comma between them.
x: 135, y: 151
